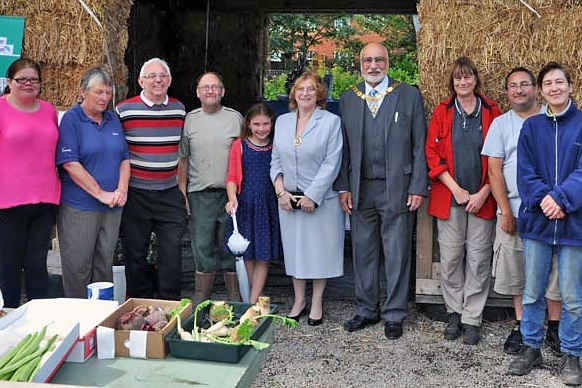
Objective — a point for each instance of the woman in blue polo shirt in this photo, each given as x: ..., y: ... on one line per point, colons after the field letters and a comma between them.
x: 93, y: 163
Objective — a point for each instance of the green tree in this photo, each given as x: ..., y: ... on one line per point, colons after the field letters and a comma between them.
x: 295, y: 35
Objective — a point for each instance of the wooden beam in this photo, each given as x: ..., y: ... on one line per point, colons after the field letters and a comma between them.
x: 433, y: 288
x: 424, y: 243
x: 397, y: 7
x: 495, y: 301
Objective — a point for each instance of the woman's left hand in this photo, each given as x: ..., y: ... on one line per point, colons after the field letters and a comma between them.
x: 284, y: 200
x: 476, y: 201
x: 307, y: 204
x: 119, y: 198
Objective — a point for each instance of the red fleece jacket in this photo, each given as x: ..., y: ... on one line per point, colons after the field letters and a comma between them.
x: 439, y: 156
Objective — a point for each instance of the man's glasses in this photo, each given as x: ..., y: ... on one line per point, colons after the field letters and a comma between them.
x: 522, y: 85
x: 25, y: 80
x: 161, y: 76
x: 207, y: 88
x: 369, y: 60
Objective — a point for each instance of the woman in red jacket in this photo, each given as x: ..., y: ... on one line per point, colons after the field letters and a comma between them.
x: 460, y: 198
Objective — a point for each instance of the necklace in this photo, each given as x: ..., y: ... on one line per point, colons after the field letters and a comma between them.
x: 305, y: 119
x: 378, y: 96
x: 462, y: 111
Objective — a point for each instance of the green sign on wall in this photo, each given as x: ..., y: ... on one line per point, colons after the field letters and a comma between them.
x: 11, y: 34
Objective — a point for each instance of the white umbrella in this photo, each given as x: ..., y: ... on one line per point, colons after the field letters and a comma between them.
x: 238, y: 245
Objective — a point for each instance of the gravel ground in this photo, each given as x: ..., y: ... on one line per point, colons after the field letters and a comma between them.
x: 329, y: 356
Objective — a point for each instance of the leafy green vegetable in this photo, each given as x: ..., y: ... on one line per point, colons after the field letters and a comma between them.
x: 179, y: 308
x: 243, y: 332
x: 199, y: 307
x: 220, y: 311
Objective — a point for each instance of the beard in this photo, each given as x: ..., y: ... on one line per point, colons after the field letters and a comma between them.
x: 374, y: 79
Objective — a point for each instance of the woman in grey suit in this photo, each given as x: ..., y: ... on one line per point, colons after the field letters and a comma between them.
x: 306, y: 158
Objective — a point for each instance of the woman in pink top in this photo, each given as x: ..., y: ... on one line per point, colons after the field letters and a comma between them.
x: 29, y: 186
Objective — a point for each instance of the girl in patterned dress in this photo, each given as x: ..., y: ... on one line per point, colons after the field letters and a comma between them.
x: 252, y: 195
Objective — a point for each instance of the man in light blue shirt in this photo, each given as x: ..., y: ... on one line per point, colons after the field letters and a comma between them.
x: 508, y: 261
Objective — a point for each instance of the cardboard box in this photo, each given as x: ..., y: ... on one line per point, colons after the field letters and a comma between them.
x: 89, y: 313
x: 30, y: 318
x: 136, y: 343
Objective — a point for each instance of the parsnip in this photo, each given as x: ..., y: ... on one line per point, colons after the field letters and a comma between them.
x: 219, y: 329
x: 250, y: 315
x: 264, y: 303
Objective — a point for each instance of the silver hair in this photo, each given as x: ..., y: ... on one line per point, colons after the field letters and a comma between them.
x: 93, y: 75
x: 160, y: 61
x: 362, y: 51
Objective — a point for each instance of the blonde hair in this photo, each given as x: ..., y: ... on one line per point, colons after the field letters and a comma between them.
x: 321, y: 90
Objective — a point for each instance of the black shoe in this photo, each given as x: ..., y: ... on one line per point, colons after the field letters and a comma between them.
x: 553, y: 340
x: 453, y: 328
x: 514, y: 342
x: 470, y: 335
x: 315, y: 322
x: 525, y: 362
x: 571, y: 373
x: 301, y: 313
x: 393, y: 330
x: 358, y: 322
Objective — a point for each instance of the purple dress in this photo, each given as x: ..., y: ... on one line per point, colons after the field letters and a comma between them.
x: 258, y: 214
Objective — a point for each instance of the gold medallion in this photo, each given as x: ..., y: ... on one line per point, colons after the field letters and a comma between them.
x: 297, y: 141
x: 377, y: 97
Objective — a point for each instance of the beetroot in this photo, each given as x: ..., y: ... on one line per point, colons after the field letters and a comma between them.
x: 143, y: 310
x: 157, y: 319
x: 144, y: 317
x: 131, y: 321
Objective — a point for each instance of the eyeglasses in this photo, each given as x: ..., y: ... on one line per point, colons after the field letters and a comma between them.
x: 152, y: 76
x: 369, y: 60
x: 522, y: 85
x: 309, y: 90
x: 25, y: 80
x: 207, y: 88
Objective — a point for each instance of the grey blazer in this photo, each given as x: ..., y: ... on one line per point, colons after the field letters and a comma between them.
x: 404, y: 137
x: 312, y: 167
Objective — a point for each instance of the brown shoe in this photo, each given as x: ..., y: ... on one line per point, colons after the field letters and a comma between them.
x: 232, y: 290
x: 203, y: 287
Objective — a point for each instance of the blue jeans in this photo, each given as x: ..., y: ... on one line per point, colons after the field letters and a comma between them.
x: 538, y: 265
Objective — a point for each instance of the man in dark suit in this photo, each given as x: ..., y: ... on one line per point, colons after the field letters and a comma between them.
x: 382, y: 181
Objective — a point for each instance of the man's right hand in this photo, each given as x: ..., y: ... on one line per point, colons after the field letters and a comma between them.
x: 345, y: 199
x: 186, y: 202
x: 507, y: 224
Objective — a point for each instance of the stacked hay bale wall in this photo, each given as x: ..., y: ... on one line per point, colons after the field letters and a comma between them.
x: 497, y: 35
x: 66, y: 41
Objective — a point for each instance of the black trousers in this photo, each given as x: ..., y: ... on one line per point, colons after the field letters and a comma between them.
x: 25, y: 233
x: 164, y: 213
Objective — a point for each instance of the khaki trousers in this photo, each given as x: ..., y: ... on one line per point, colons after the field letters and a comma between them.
x: 466, y: 248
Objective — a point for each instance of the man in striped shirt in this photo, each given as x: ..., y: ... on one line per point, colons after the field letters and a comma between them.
x: 152, y: 123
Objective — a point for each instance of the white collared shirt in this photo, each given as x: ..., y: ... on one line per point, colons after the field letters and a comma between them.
x: 150, y: 103
x: 380, y: 88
